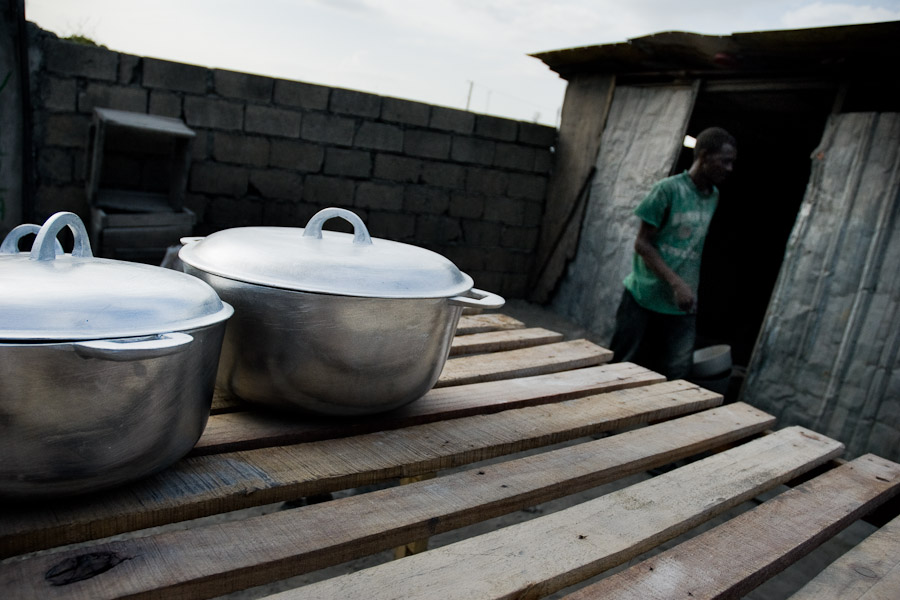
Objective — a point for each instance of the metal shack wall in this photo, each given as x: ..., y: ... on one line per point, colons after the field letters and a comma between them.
x: 829, y: 350
x: 639, y: 146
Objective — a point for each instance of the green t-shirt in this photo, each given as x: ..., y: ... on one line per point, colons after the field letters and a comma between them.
x: 682, y: 214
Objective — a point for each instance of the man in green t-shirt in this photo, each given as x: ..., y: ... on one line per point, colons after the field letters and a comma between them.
x: 656, y: 320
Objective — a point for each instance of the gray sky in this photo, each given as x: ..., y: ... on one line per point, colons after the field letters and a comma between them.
x: 434, y: 51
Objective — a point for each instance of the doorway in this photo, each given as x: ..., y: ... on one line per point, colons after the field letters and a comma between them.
x: 777, y: 127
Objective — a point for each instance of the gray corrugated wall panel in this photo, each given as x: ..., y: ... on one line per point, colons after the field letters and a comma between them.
x: 640, y: 144
x: 829, y: 350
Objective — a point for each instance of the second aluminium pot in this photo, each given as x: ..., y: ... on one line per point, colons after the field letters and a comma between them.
x: 328, y: 322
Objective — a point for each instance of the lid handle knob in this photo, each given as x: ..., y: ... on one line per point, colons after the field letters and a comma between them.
x: 314, y: 226
x: 44, y: 247
x: 10, y: 243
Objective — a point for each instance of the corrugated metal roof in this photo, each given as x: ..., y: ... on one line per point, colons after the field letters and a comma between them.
x: 819, y: 50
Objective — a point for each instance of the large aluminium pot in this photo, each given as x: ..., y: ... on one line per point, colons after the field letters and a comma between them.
x: 107, y: 368
x: 329, y: 322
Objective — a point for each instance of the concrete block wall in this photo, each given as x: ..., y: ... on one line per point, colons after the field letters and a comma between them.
x: 273, y: 152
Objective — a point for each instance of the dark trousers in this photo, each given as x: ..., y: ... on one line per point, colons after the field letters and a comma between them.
x: 660, y: 342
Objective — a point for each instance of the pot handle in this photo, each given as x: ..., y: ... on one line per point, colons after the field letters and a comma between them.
x: 478, y: 299
x: 314, y: 226
x: 10, y: 243
x: 125, y: 349
x: 44, y: 247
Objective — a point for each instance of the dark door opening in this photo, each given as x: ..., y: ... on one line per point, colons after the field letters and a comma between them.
x: 776, y: 132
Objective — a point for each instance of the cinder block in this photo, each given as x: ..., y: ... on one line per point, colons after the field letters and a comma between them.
x: 533, y: 214
x: 472, y: 150
x: 80, y: 60
x: 405, y: 111
x: 514, y: 156
x: 327, y: 128
x: 165, y: 104
x: 67, y: 130
x: 537, y: 135
x: 277, y: 184
x: 466, y: 206
x: 496, y: 128
x: 301, y: 95
x: 481, y: 234
x: 466, y: 258
x: 243, y: 86
x: 381, y: 196
x: 349, y: 163
x: 175, y: 76
x: 449, y: 119
x: 426, y: 144
x: 210, y: 178
x: 355, y: 103
x: 272, y: 121
x: 379, y: 136
x: 50, y: 199
x: 510, y: 261
x: 397, y: 168
x: 532, y: 187
x: 222, y: 212
x: 328, y: 191
x: 520, y: 238
x: 437, y: 229
x: 54, y: 165
x: 426, y: 200
x: 129, y: 74
x: 213, y: 114
x: 296, y: 155
x: 59, y: 94
x: 132, y: 99
x: 489, y: 280
x: 288, y: 214
x: 504, y: 210
x: 543, y: 161
x: 486, y: 181
x: 201, y: 149
x: 444, y: 175
x: 515, y: 285
x: 391, y: 226
x: 241, y: 149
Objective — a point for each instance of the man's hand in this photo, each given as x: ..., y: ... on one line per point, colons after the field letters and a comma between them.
x: 684, y: 297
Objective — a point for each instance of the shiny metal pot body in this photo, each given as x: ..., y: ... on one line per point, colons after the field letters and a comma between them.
x: 331, y: 354
x: 82, y: 416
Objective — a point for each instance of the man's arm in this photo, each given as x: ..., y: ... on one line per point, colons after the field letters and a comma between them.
x: 644, y: 246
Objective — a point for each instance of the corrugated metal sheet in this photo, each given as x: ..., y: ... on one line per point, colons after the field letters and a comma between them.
x: 640, y: 145
x: 828, y: 356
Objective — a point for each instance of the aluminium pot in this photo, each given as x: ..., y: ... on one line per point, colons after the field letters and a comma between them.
x: 107, y: 368
x: 328, y: 322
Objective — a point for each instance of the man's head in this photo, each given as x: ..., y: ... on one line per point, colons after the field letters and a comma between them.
x: 714, y: 155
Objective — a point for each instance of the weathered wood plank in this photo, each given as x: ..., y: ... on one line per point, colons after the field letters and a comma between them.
x: 510, y: 339
x: 205, y: 485
x: 538, y: 557
x: 735, y: 557
x: 216, y: 559
x: 525, y: 362
x: 248, y: 430
x: 486, y: 322
x: 870, y: 571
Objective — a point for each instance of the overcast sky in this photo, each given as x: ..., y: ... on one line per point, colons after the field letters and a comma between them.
x: 456, y: 53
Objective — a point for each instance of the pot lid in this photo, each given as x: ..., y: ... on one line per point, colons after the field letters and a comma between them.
x: 311, y: 260
x: 51, y: 296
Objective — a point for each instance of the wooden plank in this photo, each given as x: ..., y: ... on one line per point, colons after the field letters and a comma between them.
x: 549, y: 358
x: 870, y: 571
x: 248, y: 430
x: 205, y: 485
x: 732, y: 559
x: 486, y: 322
x: 540, y: 556
x: 216, y: 559
x: 509, y: 339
